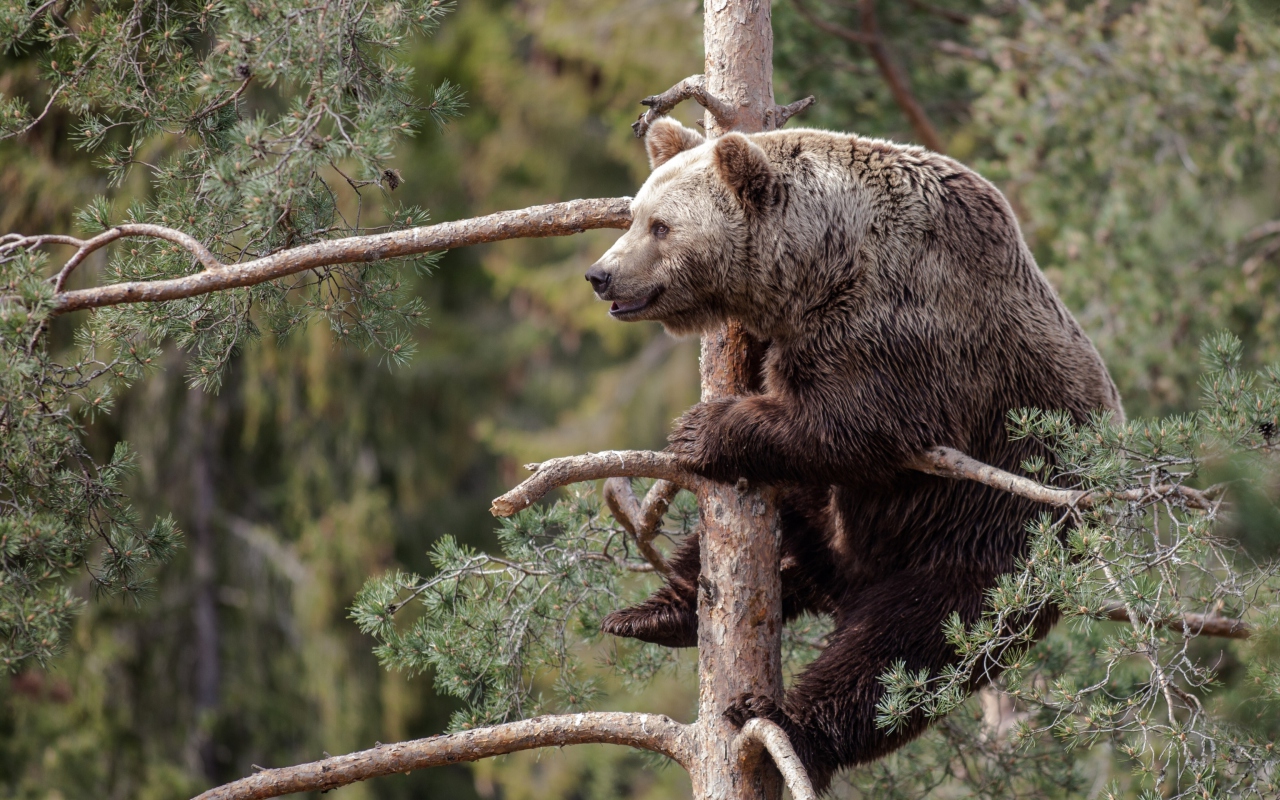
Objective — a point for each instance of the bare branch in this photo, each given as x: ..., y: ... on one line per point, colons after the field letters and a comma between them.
x: 653, y: 732
x: 948, y: 463
x: 556, y: 219
x: 1265, y: 229
x: 871, y: 37
x: 839, y: 31
x: 783, y: 113
x: 761, y: 733
x: 961, y: 50
x: 234, y: 96
x: 693, y: 87
x: 899, y: 84
x: 1190, y: 624
x: 590, y: 467
x: 945, y: 13
x: 642, y: 521
x: 39, y: 117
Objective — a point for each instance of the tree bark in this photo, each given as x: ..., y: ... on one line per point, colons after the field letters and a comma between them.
x: 740, y: 600
x: 556, y: 219
x: 646, y: 731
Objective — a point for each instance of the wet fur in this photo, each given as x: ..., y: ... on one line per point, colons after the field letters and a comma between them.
x: 897, y: 308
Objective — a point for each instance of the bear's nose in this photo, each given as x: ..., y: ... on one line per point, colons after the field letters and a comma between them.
x: 599, y: 278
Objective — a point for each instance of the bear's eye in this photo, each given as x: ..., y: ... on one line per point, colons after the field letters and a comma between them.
x: 659, y: 230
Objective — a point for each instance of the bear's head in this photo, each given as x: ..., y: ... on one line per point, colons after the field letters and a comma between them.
x: 685, y: 259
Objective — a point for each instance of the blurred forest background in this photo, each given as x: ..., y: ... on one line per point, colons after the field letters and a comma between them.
x: 1139, y: 143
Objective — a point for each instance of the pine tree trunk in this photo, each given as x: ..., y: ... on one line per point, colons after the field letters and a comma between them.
x: 740, y: 602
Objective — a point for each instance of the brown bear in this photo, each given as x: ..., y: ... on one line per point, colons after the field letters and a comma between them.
x: 897, y: 309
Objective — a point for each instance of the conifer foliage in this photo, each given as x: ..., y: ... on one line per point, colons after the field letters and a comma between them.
x: 254, y: 127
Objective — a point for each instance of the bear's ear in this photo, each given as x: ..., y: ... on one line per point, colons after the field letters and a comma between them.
x: 666, y: 137
x: 745, y: 169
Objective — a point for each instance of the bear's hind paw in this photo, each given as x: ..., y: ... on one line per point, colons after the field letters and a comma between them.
x: 751, y: 706
x: 660, y: 623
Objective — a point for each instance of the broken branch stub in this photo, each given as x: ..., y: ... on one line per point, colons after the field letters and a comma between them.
x: 694, y: 88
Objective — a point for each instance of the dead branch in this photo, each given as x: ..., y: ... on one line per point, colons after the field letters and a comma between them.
x: 783, y: 113
x: 642, y: 521
x: 948, y: 463
x: 961, y: 50
x: 1191, y: 624
x: 1262, y: 231
x: 590, y: 467
x: 653, y: 732
x: 945, y: 13
x: 693, y: 87
x: 871, y: 37
x: 556, y: 219
x: 761, y: 733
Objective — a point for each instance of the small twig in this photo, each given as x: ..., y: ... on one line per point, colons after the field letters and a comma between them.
x: 1191, y: 624
x: 653, y: 732
x: 693, y: 87
x: 761, y: 733
x: 231, y: 99
x: 590, y: 467
x: 41, y: 116
x: 961, y: 50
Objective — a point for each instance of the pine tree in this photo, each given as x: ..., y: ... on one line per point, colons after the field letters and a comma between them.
x: 243, y: 228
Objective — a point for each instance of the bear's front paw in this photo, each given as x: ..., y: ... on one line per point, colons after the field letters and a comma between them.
x: 751, y: 706
x: 698, y: 438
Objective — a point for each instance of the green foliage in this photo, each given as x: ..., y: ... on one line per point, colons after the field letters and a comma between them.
x: 249, y: 120
x: 59, y: 511
x: 497, y: 629
x: 1139, y: 144
x: 1146, y: 551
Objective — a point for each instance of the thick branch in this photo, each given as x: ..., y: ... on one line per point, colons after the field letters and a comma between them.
x: 590, y: 467
x: 1191, y: 624
x: 948, y: 463
x: 693, y: 87
x: 645, y: 731
x: 763, y: 733
x: 557, y: 219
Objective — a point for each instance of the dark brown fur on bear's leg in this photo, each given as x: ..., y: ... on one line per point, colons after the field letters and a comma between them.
x: 670, y: 616
x: 830, y: 713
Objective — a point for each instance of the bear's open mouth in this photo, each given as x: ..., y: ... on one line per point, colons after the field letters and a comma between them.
x: 623, y: 310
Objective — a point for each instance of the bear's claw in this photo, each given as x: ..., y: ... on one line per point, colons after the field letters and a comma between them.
x: 751, y: 706
x: 695, y: 438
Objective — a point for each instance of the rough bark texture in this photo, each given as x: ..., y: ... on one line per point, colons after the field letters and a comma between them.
x: 761, y: 733
x: 556, y: 219
x: 557, y: 472
x: 645, y: 731
x: 740, y: 600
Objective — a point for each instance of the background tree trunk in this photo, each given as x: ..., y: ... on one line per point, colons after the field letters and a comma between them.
x: 740, y: 602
